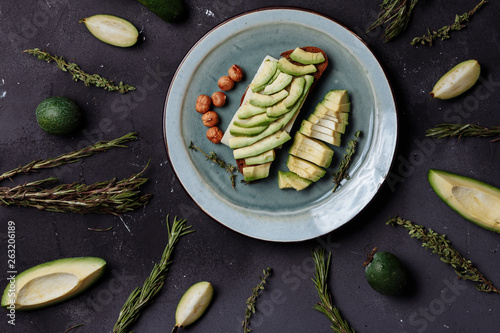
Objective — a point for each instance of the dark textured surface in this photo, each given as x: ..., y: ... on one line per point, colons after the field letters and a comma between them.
x: 438, y: 302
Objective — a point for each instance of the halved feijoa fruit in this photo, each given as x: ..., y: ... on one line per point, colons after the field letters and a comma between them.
x: 112, y: 30
x: 457, y: 80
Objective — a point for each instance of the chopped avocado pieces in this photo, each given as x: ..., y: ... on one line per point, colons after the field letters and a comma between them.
x: 269, y: 142
x: 268, y: 100
x: 255, y: 172
x: 306, y: 58
x: 288, y: 67
x: 337, y: 96
x: 265, y: 157
x: 333, y: 139
x: 315, y: 152
x: 304, y: 168
x: 336, y: 108
x: 290, y: 179
x: 282, y: 81
x: 52, y: 282
x: 476, y: 201
x: 266, y: 73
x: 247, y: 131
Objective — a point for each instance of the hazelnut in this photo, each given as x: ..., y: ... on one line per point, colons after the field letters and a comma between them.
x: 218, y: 99
x: 214, y: 134
x: 203, y: 103
x: 225, y: 83
x: 210, y: 119
x: 235, y: 73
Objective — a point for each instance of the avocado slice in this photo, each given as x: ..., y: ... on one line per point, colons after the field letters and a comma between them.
x: 306, y: 58
x: 317, y: 153
x: 247, y: 131
x: 476, y: 201
x: 278, y: 84
x: 288, y: 67
x: 289, y: 179
x: 257, y: 120
x: 268, y: 100
x: 265, y: 157
x: 264, y: 76
x: 337, y: 96
x: 255, y: 172
x: 248, y: 110
x: 243, y: 141
x: 52, y: 282
x: 270, y: 142
x: 304, y: 168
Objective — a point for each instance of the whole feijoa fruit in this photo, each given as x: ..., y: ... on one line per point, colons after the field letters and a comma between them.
x: 386, y: 274
x: 58, y: 115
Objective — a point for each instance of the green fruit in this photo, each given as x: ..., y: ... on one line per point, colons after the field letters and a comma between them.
x: 386, y: 274
x: 457, y: 80
x: 58, y: 115
x: 193, y: 303
x: 167, y: 10
x: 474, y: 200
x: 112, y: 30
x: 52, y: 282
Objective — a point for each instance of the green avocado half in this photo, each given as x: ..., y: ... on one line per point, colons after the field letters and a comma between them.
x: 476, y: 201
x: 51, y: 282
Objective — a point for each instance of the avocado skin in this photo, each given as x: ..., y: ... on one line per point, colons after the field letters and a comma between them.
x: 58, y: 115
x: 168, y: 10
x: 386, y: 274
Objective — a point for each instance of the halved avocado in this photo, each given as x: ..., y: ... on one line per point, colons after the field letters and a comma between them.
x: 52, y: 282
x: 476, y: 201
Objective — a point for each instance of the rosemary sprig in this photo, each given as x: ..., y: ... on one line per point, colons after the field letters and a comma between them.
x: 442, y: 247
x: 395, y: 15
x: 143, y: 296
x: 325, y: 305
x: 444, y: 32
x: 79, y: 74
x: 460, y: 130
x: 252, y: 300
x: 341, y: 173
x: 108, y: 197
x: 71, y: 157
x: 214, y: 158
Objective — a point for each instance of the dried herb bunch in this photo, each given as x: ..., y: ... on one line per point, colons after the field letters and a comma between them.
x: 460, y: 130
x: 231, y: 169
x: 108, y: 197
x: 444, y: 32
x: 79, y: 74
x: 325, y: 305
x: 144, y: 295
x: 395, y: 15
x: 252, y: 300
x: 341, y: 173
x: 439, y: 245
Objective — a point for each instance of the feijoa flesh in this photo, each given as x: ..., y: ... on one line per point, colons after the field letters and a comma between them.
x: 112, y: 30
x: 386, y: 274
x: 58, y: 115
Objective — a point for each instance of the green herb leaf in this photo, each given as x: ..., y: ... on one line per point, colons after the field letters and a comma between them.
x: 460, y: 130
x: 252, y: 300
x: 395, y: 15
x: 341, y: 173
x: 231, y: 169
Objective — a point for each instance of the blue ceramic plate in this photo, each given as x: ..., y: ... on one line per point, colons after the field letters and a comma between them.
x: 261, y: 210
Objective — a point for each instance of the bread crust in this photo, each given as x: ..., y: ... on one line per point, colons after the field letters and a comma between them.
x: 317, y: 75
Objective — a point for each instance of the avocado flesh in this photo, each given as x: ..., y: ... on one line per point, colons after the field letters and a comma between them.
x: 244, y: 131
x: 254, y: 121
x: 278, y: 84
x: 53, y: 282
x: 337, y: 96
x: 269, y: 142
x: 265, y: 74
x: 251, y: 173
x: 288, y: 67
x: 304, y: 168
x: 290, y: 179
x: 306, y: 58
x: 476, y: 201
x: 265, y: 157
x: 268, y: 100
x: 248, y: 110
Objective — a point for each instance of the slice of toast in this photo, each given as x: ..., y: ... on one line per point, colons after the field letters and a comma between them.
x: 317, y: 75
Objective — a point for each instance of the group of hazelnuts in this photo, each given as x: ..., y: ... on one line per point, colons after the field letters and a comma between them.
x: 204, y: 103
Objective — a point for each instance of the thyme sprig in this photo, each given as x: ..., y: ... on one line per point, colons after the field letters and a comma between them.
x: 460, y: 130
x: 441, y: 246
x: 144, y: 295
x: 252, y: 300
x: 444, y: 32
x: 79, y: 74
x: 341, y: 173
x: 325, y: 305
x: 108, y: 197
x: 231, y: 169
x: 395, y: 15
x: 71, y: 157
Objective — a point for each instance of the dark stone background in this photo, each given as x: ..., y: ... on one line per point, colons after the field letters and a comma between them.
x: 438, y: 302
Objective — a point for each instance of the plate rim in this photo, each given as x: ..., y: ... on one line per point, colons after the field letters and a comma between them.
x: 298, y: 9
